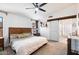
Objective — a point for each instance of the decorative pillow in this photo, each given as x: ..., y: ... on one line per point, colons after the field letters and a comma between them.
x: 24, y: 35
x: 13, y: 36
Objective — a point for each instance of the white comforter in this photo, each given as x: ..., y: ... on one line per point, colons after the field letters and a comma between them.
x: 28, y: 45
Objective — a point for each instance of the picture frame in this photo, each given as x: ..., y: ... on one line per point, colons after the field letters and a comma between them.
x: 42, y: 24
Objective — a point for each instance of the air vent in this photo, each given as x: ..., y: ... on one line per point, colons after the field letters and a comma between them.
x: 50, y: 16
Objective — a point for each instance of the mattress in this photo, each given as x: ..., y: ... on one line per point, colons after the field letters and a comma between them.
x: 26, y: 46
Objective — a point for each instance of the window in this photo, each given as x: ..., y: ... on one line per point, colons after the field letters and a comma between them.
x: 1, y: 26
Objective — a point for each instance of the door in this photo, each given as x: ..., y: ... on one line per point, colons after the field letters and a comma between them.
x: 54, y: 30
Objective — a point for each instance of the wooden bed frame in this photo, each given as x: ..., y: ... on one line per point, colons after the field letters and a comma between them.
x: 13, y: 30
x: 18, y: 30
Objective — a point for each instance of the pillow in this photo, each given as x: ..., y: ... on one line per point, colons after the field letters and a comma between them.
x: 13, y: 36
x: 27, y: 34
x: 24, y: 35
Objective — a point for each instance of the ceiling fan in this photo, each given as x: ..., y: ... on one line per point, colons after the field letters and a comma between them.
x: 38, y: 7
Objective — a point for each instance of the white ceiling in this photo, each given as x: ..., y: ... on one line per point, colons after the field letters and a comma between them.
x: 20, y: 9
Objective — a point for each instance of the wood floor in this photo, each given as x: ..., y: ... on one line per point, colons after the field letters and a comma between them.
x: 52, y: 48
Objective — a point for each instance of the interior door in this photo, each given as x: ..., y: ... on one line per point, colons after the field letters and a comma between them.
x: 54, y: 30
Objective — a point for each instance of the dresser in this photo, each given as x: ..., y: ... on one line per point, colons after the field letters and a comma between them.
x: 73, y: 45
x: 2, y: 43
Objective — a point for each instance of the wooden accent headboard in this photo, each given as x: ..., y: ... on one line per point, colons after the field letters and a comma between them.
x: 16, y: 30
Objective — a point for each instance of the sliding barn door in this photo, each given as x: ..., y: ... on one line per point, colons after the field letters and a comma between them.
x: 54, y: 30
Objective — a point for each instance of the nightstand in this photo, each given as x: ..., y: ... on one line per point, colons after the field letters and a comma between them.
x: 2, y: 43
x: 37, y: 34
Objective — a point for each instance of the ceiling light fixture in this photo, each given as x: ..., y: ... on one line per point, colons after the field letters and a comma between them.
x: 36, y: 9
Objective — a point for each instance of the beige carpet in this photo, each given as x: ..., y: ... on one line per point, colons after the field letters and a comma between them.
x: 52, y: 48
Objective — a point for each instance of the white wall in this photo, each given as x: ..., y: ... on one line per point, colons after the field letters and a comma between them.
x: 13, y: 20
x: 44, y: 32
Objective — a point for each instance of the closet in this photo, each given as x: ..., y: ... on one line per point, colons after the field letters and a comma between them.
x: 61, y: 26
x: 53, y: 30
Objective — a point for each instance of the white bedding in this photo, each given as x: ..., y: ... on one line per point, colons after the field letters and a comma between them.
x: 28, y: 45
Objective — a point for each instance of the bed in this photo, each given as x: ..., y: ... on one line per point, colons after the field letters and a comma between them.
x: 25, y: 45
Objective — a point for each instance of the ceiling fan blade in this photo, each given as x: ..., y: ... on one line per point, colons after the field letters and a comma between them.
x: 43, y: 4
x: 34, y: 4
x: 29, y: 8
x: 42, y: 10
